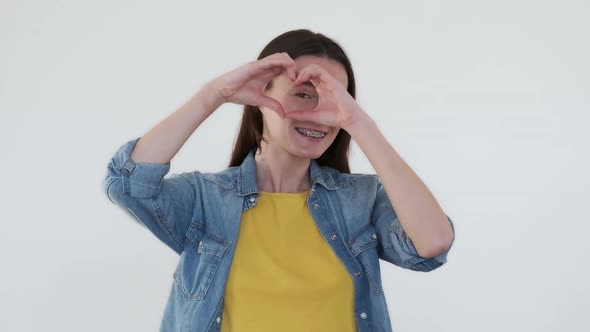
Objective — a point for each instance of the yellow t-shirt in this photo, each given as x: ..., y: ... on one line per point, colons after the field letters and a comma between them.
x: 284, y: 275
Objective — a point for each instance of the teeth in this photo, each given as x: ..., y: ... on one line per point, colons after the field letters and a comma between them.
x: 311, y: 133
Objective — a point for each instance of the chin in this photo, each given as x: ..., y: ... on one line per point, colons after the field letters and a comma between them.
x: 307, y: 153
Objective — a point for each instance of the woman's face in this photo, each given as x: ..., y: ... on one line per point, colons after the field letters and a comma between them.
x: 282, y: 133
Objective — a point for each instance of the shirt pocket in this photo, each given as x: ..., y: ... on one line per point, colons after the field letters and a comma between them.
x: 199, y: 262
x: 364, y: 246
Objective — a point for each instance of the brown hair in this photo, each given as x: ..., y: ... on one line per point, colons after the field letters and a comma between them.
x: 297, y: 43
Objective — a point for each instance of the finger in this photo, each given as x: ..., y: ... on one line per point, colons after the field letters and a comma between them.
x: 277, y: 60
x: 277, y: 71
x: 308, y: 75
x: 291, y: 66
x: 316, y: 74
x: 266, y: 64
x: 273, y: 105
x: 291, y: 73
x: 269, y: 73
x: 308, y: 69
x: 266, y: 76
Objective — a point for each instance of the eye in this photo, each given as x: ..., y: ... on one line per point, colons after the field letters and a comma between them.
x: 303, y: 93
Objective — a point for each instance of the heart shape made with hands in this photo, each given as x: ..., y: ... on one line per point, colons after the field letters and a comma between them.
x: 318, y: 97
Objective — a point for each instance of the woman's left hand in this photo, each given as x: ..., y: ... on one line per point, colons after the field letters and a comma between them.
x: 335, y: 107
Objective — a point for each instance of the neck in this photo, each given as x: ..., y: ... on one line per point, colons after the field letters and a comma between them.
x: 278, y: 170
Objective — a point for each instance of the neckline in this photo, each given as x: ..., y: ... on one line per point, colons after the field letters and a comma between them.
x: 283, y: 194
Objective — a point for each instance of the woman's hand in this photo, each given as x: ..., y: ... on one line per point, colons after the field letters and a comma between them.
x: 245, y: 84
x: 335, y: 108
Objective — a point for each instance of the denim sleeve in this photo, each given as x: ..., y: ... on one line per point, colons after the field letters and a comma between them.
x: 163, y: 205
x: 395, y: 246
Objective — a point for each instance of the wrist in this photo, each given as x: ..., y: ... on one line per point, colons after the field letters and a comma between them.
x: 211, y: 95
x: 358, y: 123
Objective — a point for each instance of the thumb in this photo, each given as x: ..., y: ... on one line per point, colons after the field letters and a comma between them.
x: 273, y: 105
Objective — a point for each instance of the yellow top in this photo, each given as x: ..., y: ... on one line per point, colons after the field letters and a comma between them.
x: 284, y: 275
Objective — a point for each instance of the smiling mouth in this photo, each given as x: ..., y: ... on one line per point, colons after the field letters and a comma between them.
x: 311, y: 133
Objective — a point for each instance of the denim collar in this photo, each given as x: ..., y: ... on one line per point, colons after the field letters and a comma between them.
x: 247, y: 175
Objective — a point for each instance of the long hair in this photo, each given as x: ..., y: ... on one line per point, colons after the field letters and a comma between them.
x: 297, y: 43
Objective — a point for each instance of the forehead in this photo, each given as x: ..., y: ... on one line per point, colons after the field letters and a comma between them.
x: 333, y: 67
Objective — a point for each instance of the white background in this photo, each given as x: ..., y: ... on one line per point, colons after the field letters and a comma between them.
x: 487, y: 101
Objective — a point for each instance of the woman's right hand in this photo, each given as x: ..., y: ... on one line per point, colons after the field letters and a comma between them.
x: 245, y: 84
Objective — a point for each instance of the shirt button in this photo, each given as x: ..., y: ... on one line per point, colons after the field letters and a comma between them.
x: 374, y: 235
x: 312, y: 188
x: 333, y: 236
x: 252, y: 199
x: 363, y: 315
x: 128, y: 167
x: 316, y: 206
x: 218, y: 319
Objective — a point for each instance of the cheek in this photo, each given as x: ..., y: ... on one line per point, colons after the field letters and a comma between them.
x: 333, y: 134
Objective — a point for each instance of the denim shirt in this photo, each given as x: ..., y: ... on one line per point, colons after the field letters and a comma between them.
x: 198, y: 216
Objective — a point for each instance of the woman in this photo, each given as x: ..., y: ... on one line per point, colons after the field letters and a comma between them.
x: 285, y: 238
